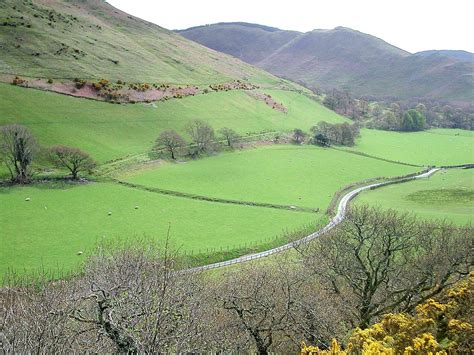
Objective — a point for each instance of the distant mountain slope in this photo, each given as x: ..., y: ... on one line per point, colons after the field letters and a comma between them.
x: 90, y: 39
x: 342, y: 58
x: 463, y: 56
x: 251, y: 43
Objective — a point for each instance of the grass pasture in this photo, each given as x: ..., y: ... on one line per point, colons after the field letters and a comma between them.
x: 433, y: 147
x: 109, y: 131
x: 61, y: 220
x: 305, y: 176
x: 448, y: 194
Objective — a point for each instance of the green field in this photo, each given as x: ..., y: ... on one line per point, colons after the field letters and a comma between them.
x: 449, y: 194
x: 50, y: 229
x: 432, y: 147
x: 304, y: 176
x: 109, y: 131
x: 59, y: 221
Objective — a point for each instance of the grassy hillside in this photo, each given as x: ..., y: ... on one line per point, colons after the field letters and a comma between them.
x: 303, y: 176
x: 251, y: 43
x: 433, y: 147
x: 64, y: 220
x: 109, y: 131
x: 342, y: 58
x: 446, y: 195
x: 92, y: 39
x: 462, y: 56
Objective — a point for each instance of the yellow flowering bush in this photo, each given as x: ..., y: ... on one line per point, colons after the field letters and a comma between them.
x: 438, y: 327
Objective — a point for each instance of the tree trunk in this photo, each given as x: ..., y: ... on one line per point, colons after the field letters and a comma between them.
x: 262, y: 348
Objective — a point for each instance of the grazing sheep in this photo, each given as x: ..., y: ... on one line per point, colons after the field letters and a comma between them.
x: 27, y: 199
x: 79, y: 253
x: 110, y: 213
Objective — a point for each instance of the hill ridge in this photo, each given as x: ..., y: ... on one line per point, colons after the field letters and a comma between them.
x: 345, y: 59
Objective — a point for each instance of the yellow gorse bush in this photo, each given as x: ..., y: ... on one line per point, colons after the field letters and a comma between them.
x: 438, y: 327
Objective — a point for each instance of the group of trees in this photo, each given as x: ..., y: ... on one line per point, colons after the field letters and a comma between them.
x: 394, y: 118
x: 416, y: 116
x: 342, y: 103
x: 134, y: 299
x: 203, y: 140
x: 19, y: 149
x: 326, y: 134
x: 397, y: 115
x: 413, y: 120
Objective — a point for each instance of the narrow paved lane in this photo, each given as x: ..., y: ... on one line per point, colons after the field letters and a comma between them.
x: 341, y: 212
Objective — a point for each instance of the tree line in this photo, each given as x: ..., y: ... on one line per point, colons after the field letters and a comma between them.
x: 326, y: 134
x: 203, y: 140
x: 136, y: 298
x: 19, y: 149
x: 397, y: 115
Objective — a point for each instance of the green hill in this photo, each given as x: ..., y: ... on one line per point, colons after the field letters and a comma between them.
x: 342, y: 58
x: 462, y: 56
x: 92, y: 39
x: 109, y: 131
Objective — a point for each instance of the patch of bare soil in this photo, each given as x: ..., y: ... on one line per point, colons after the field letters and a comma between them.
x: 121, y: 92
x: 269, y: 101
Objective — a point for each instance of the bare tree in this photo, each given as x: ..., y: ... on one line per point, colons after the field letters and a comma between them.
x: 172, y: 142
x: 17, y: 149
x: 298, y: 135
x: 73, y: 159
x: 202, y: 135
x: 376, y: 262
x: 261, y: 300
x: 231, y: 137
x: 127, y: 301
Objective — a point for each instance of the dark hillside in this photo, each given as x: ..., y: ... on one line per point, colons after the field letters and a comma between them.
x: 345, y: 59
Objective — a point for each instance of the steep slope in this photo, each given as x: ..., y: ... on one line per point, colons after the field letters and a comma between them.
x: 343, y: 58
x: 251, y: 43
x: 462, y: 56
x: 92, y: 39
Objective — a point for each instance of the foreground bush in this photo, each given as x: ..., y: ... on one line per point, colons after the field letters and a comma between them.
x: 127, y: 301
x: 438, y: 327
x: 386, y: 274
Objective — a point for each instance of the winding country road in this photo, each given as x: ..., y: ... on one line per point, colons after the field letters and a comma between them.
x: 341, y: 212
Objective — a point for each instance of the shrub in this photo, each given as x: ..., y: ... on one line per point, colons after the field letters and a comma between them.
x: 19, y: 81
x: 79, y: 83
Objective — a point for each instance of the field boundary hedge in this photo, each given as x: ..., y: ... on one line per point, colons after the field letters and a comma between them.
x: 375, y: 157
x: 217, y: 200
x: 338, y: 218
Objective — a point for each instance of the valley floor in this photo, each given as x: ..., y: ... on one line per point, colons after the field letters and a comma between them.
x: 273, y: 190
